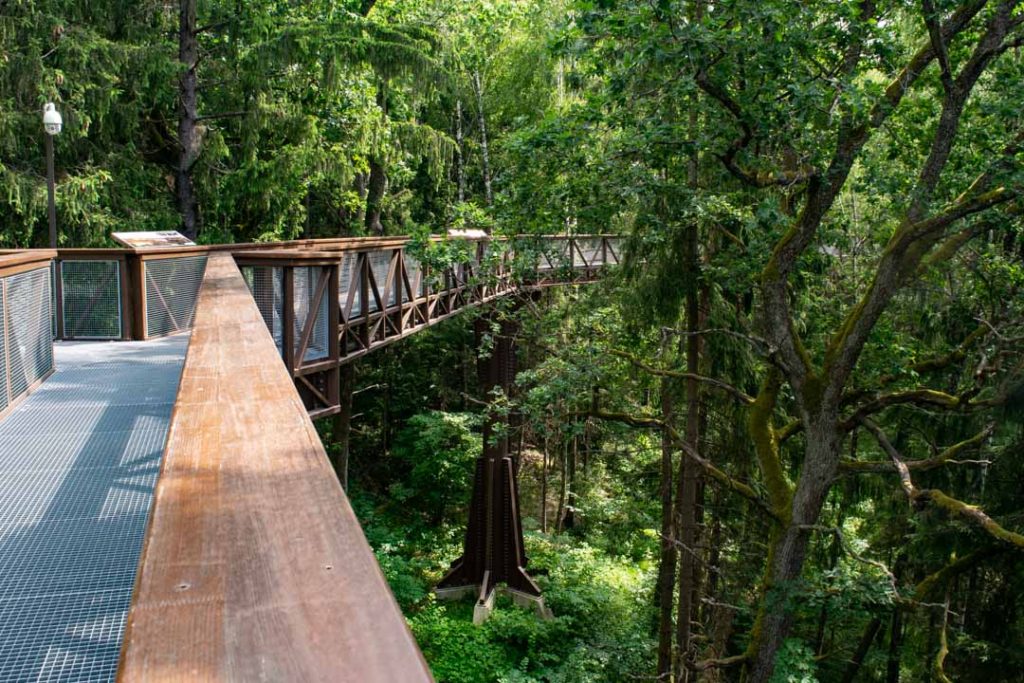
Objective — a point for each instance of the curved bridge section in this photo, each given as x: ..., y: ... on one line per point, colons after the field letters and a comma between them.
x: 253, y: 566
x: 328, y: 305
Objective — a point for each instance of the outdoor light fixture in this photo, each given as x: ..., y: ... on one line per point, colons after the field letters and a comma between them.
x: 52, y: 123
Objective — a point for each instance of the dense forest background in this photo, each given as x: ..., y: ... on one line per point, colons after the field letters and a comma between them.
x: 782, y: 442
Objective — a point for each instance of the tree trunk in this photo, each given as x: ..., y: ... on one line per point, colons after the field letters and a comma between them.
x: 892, y: 669
x: 342, y: 430
x: 460, y: 166
x: 559, y: 513
x: 375, y: 189
x: 862, y: 650
x: 377, y: 185
x: 478, y: 89
x: 569, y: 512
x: 544, y: 490
x: 667, y: 562
x: 788, y: 546
x: 689, y: 485
x: 189, y: 139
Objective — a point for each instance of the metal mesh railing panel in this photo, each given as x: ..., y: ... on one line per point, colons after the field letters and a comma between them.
x: 350, y: 270
x: 3, y: 350
x: 91, y: 298
x: 414, y: 272
x: 614, y: 249
x: 305, y: 289
x: 172, y: 286
x: 591, y: 250
x: 380, y: 263
x: 29, y: 336
x: 267, y: 287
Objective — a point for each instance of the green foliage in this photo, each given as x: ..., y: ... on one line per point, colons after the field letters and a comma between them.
x: 794, y: 663
x: 439, y: 450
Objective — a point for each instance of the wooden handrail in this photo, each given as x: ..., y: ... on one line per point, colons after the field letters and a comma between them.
x: 13, y: 262
x: 254, y: 567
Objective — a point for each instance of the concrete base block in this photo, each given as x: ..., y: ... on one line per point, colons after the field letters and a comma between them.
x: 456, y: 593
x: 483, y: 608
x: 485, y: 605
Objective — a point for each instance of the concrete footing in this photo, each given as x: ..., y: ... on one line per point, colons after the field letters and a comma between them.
x: 485, y: 603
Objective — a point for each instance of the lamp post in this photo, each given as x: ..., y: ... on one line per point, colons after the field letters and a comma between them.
x: 52, y: 124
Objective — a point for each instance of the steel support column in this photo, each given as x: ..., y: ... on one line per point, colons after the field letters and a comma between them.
x: 494, y: 557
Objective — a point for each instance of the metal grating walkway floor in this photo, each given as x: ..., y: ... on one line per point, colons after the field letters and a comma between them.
x: 79, y: 460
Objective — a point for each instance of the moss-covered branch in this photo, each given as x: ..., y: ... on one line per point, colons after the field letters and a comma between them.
x: 766, y: 446
x: 927, y: 365
x: 971, y: 513
x: 923, y: 397
x: 927, y: 586
x: 946, y: 456
x: 919, y: 497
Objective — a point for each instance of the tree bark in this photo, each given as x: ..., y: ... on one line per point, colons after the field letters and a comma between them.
x: 377, y: 185
x: 667, y: 561
x: 569, y: 512
x: 544, y: 490
x: 862, y: 649
x: 375, y: 191
x: 342, y: 430
x: 559, y: 516
x: 788, y: 547
x: 189, y: 139
x: 478, y: 90
x: 688, y: 484
x: 892, y: 669
x: 460, y: 166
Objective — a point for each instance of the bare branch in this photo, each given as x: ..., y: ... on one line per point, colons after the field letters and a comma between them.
x: 718, y: 475
x: 739, y: 395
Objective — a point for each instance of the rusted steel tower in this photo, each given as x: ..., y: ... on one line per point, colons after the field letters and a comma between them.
x: 493, y: 557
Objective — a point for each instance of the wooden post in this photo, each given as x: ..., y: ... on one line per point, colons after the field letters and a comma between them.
x: 126, y: 297
x: 137, y: 270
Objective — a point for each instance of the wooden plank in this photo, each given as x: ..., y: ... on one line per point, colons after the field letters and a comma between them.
x: 13, y: 263
x: 255, y: 567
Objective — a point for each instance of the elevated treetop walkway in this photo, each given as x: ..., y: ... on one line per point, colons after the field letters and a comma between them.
x: 254, y: 566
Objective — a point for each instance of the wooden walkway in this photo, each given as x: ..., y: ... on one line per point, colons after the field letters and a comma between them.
x: 149, y: 533
x: 78, y: 462
x: 255, y: 567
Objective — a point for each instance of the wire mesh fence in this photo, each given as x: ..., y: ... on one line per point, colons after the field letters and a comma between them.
x: 267, y: 286
x: 91, y: 299
x: 172, y: 286
x: 27, y: 315
x: 305, y: 289
x: 4, y: 402
x: 347, y: 287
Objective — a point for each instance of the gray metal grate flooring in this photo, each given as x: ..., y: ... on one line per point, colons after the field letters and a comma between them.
x: 78, y: 462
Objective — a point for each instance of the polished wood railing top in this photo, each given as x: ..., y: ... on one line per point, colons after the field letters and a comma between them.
x: 255, y: 567
x: 12, y: 262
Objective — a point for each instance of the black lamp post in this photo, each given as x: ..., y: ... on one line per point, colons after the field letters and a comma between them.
x: 52, y: 124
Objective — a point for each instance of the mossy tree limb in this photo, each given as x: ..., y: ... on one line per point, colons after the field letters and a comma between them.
x: 943, y: 458
x: 919, y: 497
